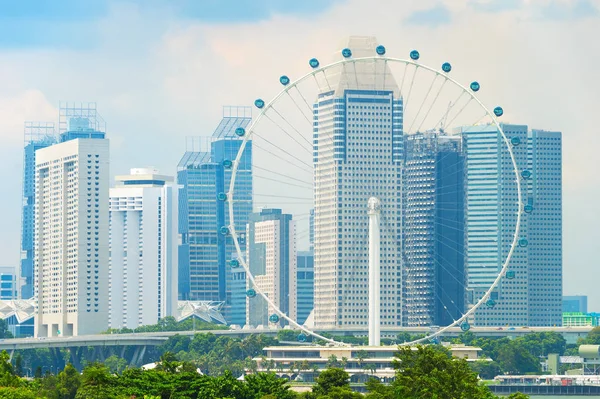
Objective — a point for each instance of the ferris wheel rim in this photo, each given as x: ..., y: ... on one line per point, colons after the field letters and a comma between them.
x: 347, y: 60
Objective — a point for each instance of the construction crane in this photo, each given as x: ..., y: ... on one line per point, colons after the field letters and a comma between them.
x: 445, y: 117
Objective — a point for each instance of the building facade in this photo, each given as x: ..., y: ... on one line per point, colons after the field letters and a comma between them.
x: 271, y: 256
x: 532, y: 296
x: 37, y: 135
x: 575, y: 304
x: 143, y: 249
x: 71, y: 237
x: 9, y: 284
x: 305, y: 281
x: 433, y: 229
x: 207, y: 246
x: 357, y: 145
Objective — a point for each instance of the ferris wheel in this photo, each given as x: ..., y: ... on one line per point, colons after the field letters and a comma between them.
x: 372, y: 125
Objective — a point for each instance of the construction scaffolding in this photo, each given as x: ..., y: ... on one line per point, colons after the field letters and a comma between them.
x: 79, y: 116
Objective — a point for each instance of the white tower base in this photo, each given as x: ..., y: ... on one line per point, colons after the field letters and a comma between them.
x: 374, y: 279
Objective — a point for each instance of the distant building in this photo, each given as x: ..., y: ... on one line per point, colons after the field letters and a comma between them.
x: 580, y: 319
x: 204, y: 177
x: 71, y: 230
x: 433, y: 229
x: 575, y: 303
x: 533, y: 296
x: 271, y: 256
x: 37, y: 135
x: 305, y: 282
x: 9, y: 284
x: 143, y: 247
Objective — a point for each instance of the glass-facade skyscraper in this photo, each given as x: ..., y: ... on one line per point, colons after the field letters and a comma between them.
x: 37, y: 135
x: 433, y: 229
x: 357, y: 154
x: 305, y: 282
x: 206, y: 246
x: 533, y: 296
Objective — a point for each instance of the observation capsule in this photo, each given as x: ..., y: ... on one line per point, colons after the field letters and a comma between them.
x: 301, y: 338
x: 490, y: 303
x: 515, y: 141
x: 274, y: 318
x: 523, y: 242
x: 475, y: 86
x: 222, y: 197
x: 240, y: 131
x: 498, y: 111
x: 314, y: 63
x: 251, y: 293
x: 234, y: 263
x: 414, y: 55
x: 525, y: 174
x: 446, y: 67
x: 380, y: 50
x: 224, y: 230
x: 510, y: 274
x: 227, y: 164
x: 259, y: 103
x: 284, y: 80
x: 346, y: 53
x: 465, y: 326
x: 528, y: 208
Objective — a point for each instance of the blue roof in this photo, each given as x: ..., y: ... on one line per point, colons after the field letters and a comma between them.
x: 226, y: 128
x: 193, y: 158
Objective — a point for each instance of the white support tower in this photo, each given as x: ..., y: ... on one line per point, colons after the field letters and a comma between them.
x: 374, y: 279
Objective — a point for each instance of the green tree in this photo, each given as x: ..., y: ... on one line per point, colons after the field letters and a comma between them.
x: 330, y: 378
x: 430, y: 372
x: 514, y: 358
x: 96, y: 383
x: 593, y: 337
x: 68, y: 382
x: 115, y: 364
x: 486, y: 369
x: 262, y: 384
x: 7, y: 372
x: 4, y: 333
x: 332, y: 361
x: 16, y: 393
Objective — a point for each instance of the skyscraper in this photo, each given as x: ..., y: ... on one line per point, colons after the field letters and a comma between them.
x: 365, y: 127
x: 491, y: 206
x: 305, y: 282
x: 545, y: 228
x: 433, y: 229
x: 532, y: 296
x: 71, y: 236
x: 575, y: 303
x: 8, y: 284
x: 143, y: 248
x: 206, y: 247
x: 37, y: 135
x: 271, y: 255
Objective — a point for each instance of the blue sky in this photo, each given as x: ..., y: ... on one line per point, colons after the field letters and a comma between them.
x: 163, y: 69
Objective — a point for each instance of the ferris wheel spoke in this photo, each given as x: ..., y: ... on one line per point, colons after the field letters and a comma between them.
x: 280, y: 181
x: 412, y: 82
x: 445, y: 115
x: 283, y: 175
x: 260, y: 195
x: 310, y: 108
x: 281, y: 157
x: 298, y: 106
x: 403, y: 77
x: 326, y: 80
x: 460, y: 111
x: 422, y: 103
x: 308, y: 149
x: 432, y: 104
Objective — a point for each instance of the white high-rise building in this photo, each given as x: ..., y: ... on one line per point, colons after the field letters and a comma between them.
x: 143, y: 249
x: 271, y: 254
x: 71, y: 237
x: 357, y: 147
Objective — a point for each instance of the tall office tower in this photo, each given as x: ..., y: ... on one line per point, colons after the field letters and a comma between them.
x: 491, y: 208
x: 575, y: 304
x: 37, y: 135
x: 143, y: 249
x: 305, y: 282
x: 433, y: 229
x: 545, y: 229
x: 206, y: 247
x: 271, y: 256
x: 357, y: 147
x: 8, y: 284
x: 71, y: 229
x: 237, y: 315
x: 311, y: 230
